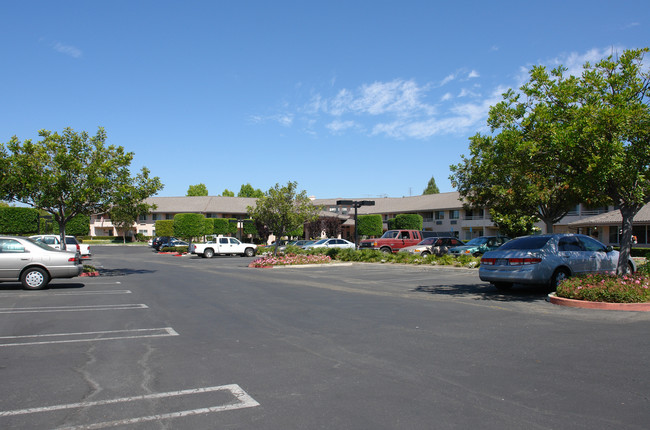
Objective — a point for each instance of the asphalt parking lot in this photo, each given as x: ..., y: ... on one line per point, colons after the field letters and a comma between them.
x: 166, y: 342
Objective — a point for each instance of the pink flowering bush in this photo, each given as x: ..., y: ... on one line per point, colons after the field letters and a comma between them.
x: 289, y: 260
x: 607, y: 288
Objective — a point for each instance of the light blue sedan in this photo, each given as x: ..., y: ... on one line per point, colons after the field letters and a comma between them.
x: 547, y: 259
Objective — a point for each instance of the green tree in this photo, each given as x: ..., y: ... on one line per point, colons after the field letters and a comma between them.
x: 614, y: 137
x: 283, y: 209
x: 408, y: 221
x: 164, y: 227
x: 567, y: 140
x: 431, y: 188
x: 227, y: 193
x: 189, y: 225
x: 514, y: 224
x: 197, y: 190
x: 370, y: 225
x: 248, y: 191
x: 130, y: 202
x: 78, y: 226
x: 66, y: 174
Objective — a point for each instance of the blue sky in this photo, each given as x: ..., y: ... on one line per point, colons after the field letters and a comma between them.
x: 348, y: 98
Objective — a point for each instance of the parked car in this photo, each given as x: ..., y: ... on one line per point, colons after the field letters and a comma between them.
x: 301, y: 243
x: 547, y: 259
x: 34, y: 263
x: 71, y: 242
x: 433, y: 245
x: 158, y: 241
x: 223, y: 246
x: 173, y: 242
x: 330, y: 243
x: 479, y: 246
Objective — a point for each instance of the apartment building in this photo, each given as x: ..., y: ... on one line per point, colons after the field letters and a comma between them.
x: 443, y: 212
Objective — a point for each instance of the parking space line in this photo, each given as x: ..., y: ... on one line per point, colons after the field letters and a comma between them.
x: 72, y: 308
x: 71, y: 293
x: 242, y: 400
x: 91, y: 336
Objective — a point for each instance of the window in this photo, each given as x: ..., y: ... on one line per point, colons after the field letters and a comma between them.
x: 169, y: 216
x: 223, y: 240
x: 639, y: 232
x: 143, y: 217
x: 439, y: 215
x: 455, y: 214
x: 405, y: 235
x: 234, y: 241
x: 569, y: 243
x: 154, y: 217
x: 11, y: 246
x: 613, y: 234
x: 591, y: 244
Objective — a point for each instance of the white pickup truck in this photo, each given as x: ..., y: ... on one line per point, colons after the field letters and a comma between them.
x: 72, y: 244
x: 223, y: 245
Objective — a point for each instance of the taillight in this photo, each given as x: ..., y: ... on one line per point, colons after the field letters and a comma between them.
x: 523, y: 261
x: 488, y: 261
x: 71, y: 259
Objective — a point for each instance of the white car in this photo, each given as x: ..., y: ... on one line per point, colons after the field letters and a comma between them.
x: 72, y: 244
x: 330, y: 243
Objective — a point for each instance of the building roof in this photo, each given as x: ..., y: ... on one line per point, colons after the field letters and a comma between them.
x: 613, y: 218
x: 201, y: 204
x: 234, y: 205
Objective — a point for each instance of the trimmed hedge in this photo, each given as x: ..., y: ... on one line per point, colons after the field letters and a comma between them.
x: 370, y: 225
x: 18, y: 221
x: 165, y: 227
x: 408, y: 222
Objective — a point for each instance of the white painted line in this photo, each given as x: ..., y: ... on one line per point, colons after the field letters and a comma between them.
x: 82, y: 293
x: 96, y: 336
x: 72, y: 308
x: 243, y: 400
x: 72, y: 293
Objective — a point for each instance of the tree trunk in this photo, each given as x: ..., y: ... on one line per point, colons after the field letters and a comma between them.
x: 627, y: 214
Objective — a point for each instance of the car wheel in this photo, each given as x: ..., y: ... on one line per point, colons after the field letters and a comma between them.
x: 558, y: 276
x: 386, y: 249
x: 34, y: 278
x: 502, y: 286
x: 208, y: 253
x: 425, y: 253
x: 249, y: 252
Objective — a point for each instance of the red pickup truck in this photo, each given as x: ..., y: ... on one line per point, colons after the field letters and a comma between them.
x: 393, y: 240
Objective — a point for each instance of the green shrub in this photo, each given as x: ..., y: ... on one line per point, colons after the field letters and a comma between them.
x: 165, y: 227
x: 369, y: 225
x: 408, y: 222
x: 18, y: 221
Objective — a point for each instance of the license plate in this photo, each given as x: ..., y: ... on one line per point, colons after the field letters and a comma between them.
x: 502, y: 262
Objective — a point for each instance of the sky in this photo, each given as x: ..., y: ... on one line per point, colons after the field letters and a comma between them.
x: 350, y: 99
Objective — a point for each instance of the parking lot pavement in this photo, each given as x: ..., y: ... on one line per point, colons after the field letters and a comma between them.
x: 181, y: 342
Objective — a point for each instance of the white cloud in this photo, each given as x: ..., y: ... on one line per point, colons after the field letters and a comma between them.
x: 340, y: 126
x: 447, y: 79
x: 445, y: 97
x: 473, y: 74
x: 69, y: 50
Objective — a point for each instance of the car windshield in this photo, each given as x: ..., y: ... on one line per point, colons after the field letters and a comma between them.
x: 39, y: 243
x: 320, y: 242
x: 428, y: 241
x: 390, y: 234
x: 477, y: 241
x: 526, y: 243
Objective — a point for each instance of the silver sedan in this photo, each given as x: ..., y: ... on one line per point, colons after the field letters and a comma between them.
x: 547, y: 259
x: 35, y: 264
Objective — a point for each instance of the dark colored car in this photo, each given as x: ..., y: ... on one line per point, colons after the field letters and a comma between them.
x: 479, y: 246
x: 158, y: 241
x: 547, y: 259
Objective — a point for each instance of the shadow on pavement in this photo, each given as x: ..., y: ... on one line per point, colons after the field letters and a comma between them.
x: 518, y: 293
x: 123, y: 272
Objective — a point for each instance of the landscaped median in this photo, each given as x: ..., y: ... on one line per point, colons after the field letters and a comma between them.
x: 605, y: 291
x: 297, y: 256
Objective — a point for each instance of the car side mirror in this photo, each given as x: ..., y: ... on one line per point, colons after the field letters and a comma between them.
x: 609, y: 248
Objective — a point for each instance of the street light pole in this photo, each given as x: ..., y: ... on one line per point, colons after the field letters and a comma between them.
x: 356, y: 204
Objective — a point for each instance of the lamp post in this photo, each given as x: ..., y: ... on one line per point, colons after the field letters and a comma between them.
x: 356, y: 204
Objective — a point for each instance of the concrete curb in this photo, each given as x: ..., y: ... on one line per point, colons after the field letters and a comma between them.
x: 292, y: 266
x: 636, y: 307
x: 89, y: 274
